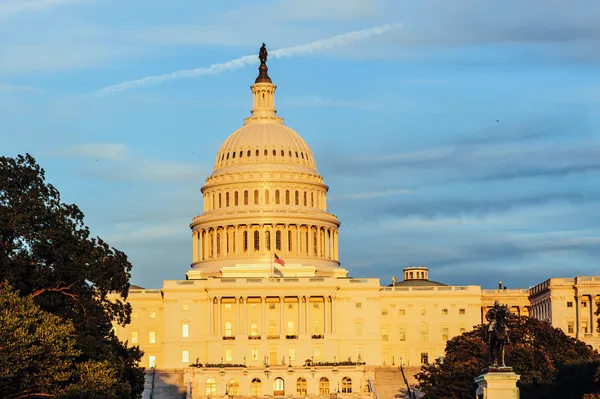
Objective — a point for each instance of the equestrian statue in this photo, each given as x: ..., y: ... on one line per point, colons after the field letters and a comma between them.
x: 497, y: 334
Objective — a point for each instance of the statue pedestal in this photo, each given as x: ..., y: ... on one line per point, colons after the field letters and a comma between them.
x: 497, y: 383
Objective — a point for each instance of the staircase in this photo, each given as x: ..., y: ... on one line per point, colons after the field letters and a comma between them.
x: 389, y: 383
x: 164, y: 384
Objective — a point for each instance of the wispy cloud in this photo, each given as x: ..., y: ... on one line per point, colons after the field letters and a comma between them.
x: 369, y: 195
x: 11, y: 7
x: 114, y: 151
x: 293, y: 51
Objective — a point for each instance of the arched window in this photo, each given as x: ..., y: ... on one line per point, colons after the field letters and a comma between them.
x: 301, y: 387
x: 245, y: 237
x: 278, y: 240
x: 347, y: 385
x: 248, y: 153
x: 296, y: 154
x: 236, y: 199
x: 305, y: 198
x: 256, y: 387
x: 287, y: 197
x: 246, y: 197
x: 316, y: 252
x: 277, y: 197
x: 279, y: 387
x: 228, y: 329
x: 266, y: 197
x: 290, y: 240
x: 268, y: 240
x: 282, y: 153
x: 257, y: 152
x: 302, y: 155
x: 290, y: 153
x: 274, y: 153
x: 214, y: 201
x: 255, y: 196
x: 212, y: 247
x: 227, y: 155
x: 233, y: 154
x: 226, y: 199
x: 297, y: 198
x: 233, y: 242
x: 266, y: 152
x: 233, y: 387
x: 256, y: 240
x: 241, y: 154
x: 312, y: 200
x: 424, y: 332
x: 218, y: 244
x: 220, y: 203
x: 323, y: 386
x: 306, y: 241
x: 211, y: 387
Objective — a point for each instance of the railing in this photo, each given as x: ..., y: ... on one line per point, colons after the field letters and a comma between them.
x: 253, y: 336
x: 228, y: 337
x: 317, y: 336
x: 272, y: 336
x: 430, y: 288
x: 292, y: 336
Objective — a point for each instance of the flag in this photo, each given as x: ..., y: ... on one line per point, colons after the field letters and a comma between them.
x: 279, y: 260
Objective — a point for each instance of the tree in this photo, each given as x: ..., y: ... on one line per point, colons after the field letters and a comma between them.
x: 47, y: 253
x: 546, y: 359
x: 38, y: 357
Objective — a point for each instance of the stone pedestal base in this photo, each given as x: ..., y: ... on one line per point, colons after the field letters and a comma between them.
x: 497, y: 385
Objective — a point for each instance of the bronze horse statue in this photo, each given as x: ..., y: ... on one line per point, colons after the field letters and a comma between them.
x: 497, y: 333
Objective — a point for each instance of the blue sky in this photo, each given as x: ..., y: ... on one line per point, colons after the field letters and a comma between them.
x: 463, y: 135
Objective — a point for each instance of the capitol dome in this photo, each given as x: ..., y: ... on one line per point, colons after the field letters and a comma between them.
x: 265, y: 201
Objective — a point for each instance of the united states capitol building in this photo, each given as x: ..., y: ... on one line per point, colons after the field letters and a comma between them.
x: 267, y: 309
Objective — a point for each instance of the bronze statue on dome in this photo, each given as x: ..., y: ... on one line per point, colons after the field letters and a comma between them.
x: 497, y: 336
x: 263, y: 54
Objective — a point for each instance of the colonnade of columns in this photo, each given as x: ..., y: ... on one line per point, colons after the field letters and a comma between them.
x: 263, y: 239
x: 302, y: 321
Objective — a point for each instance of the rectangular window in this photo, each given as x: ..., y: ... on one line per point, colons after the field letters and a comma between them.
x: 185, y: 356
x: 385, y: 334
x: 584, y: 327
x: 569, y: 304
x: 445, y: 334
x: 271, y: 306
x: 571, y: 327
x: 445, y: 312
x: 134, y: 337
x: 424, y: 358
x: 153, y: 315
x: 358, y: 305
x: 462, y: 330
x: 584, y: 304
x: 152, y: 337
x: 228, y: 355
x: 317, y: 355
x: 152, y: 361
x: 185, y: 307
x: 384, y: 312
x: 184, y: 330
x: 461, y: 311
x: 402, y: 334
x: 401, y: 312
x: 359, y: 329
x: 227, y: 306
x: 292, y: 353
x: 254, y: 354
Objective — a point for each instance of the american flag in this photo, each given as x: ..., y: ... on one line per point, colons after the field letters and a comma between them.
x: 279, y: 260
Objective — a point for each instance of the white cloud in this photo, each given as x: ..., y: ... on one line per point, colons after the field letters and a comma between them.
x: 293, y: 51
x: 12, y: 7
x: 369, y: 195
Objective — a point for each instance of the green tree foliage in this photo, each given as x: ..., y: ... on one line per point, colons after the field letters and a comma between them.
x: 550, y: 363
x: 46, y: 252
x: 38, y: 357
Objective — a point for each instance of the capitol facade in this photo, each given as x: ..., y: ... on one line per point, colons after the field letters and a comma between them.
x: 267, y: 309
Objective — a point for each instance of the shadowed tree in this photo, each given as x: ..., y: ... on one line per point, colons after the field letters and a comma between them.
x: 47, y: 253
x: 547, y: 360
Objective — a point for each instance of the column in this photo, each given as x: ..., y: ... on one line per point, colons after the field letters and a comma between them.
x: 326, y: 314
x: 246, y: 316
x: 194, y: 246
x: 219, y: 316
x: 223, y: 241
x: 205, y: 250
x: 310, y: 241
x: 214, y: 243
x: 263, y: 321
x: 307, y: 315
x: 592, y: 323
x: 577, y: 321
x: 211, y: 310
x: 330, y: 243
x: 285, y: 239
x: 300, y: 330
x: 263, y: 247
x: 333, y: 302
x: 281, y: 318
x: 237, y: 311
x: 318, y: 233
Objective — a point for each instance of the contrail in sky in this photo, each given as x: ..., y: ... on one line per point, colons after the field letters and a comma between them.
x: 294, y: 51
